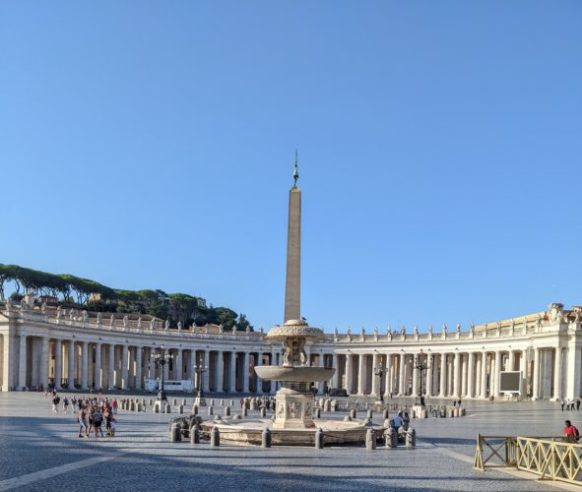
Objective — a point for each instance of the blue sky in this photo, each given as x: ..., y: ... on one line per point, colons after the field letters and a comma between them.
x: 150, y: 145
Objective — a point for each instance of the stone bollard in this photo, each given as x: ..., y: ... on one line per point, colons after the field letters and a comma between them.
x: 391, y: 438
x: 156, y: 409
x: 462, y: 411
x: 175, y: 434
x: 253, y: 405
x: 266, y: 438
x: 370, y: 414
x: 139, y: 407
x: 184, y: 401
x: 456, y: 412
x: 194, y: 409
x: 194, y: 435
x: 263, y: 412
x: 353, y: 413
x: 175, y: 402
x: 244, y: 412
x: 227, y: 411
x: 410, y: 438
x: 451, y: 412
x: 221, y: 403
x: 370, y: 439
x: 319, y: 439
x: 215, y: 437
x: 318, y: 413
x: 210, y: 410
x: 181, y: 409
x: 385, y: 414
x: 327, y: 406
x: 232, y: 403
x: 168, y: 408
x: 333, y: 406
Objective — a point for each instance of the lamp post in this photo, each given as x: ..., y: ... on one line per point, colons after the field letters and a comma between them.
x: 161, y: 360
x: 421, y: 367
x: 380, y: 371
x: 199, y: 369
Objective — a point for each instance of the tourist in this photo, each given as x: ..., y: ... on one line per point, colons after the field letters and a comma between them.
x: 83, y: 428
x: 114, y: 405
x: 562, y: 403
x: 65, y: 405
x: 578, y: 403
x: 397, y: 421
x: 97, y: 419
x: 570, y: 432
x: 56, y: 401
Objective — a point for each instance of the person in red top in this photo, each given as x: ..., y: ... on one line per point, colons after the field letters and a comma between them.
x: 571, y: 434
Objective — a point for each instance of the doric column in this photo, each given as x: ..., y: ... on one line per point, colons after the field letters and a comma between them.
x: 111, y: 367
x: 484, y: 375
x: 138, y: 367
x: 336, y: 373
x: 536, y: 375
x: 470, y: 374
x: 179, y: 368
x: 375, y: 379
x: 22, y: 363
x: 497, y: 372
x: 349, y: 373
x: 259, y: 362
x: 72, y: 360
x: 206, y: 375
x: 401, y: 382
x: 124, y: 367
x: 510, y: 360
x: 389, y: 376
x: 84, y: 365
x: 443, y: 375
x: 457, y: 375
x: 44, y: 361
x: 429, y: 364
x: 232, y: 378
x: 362, y: 374
x: 58, y: 363
x: 414, y: 392
x: 220, y: 371
x: 558, y: 373
x: 464, y: 364
x: 97, y: 368
x: 245, y: 373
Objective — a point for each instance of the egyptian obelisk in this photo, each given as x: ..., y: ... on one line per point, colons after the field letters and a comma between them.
x: 293, y: 280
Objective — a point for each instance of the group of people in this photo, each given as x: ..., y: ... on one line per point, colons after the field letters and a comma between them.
x: 570, y: 404
x: 92, y: 413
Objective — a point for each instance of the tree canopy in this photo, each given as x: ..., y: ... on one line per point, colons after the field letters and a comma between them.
x: 70, y: 290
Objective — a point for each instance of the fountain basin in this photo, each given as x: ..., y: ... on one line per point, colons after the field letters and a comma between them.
x: 294, y: 374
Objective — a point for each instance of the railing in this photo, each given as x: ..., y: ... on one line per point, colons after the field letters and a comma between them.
x: 549, y: 457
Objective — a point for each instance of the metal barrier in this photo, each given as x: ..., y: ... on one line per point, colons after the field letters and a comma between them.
x: 549, y: 457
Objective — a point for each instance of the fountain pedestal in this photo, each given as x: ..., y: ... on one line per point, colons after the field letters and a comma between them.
x: 294, y: 409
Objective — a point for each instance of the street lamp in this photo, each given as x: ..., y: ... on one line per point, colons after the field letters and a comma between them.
x: 380, y: 371
x: 421, y: 367
x: 161, y: 359
x: 199, y: 369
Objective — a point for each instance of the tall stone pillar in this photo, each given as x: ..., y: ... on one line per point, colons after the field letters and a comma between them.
x: 362, y: 366
x: 558, y: 373
x: 138, y: 367
x: 375, y: 379
x: 259, y: 362
x: 84, y: 365
x: 388, y: 386
x: 349, y: 373
x: 245, y: 373
x: 111, y: 367
x: 72, y: 361
x: 470, y: 375
x: 321, y: 384
x: 293, y: 277
x: 402, y: 375
x: 179, y: 368
x: 497, y: 372
x: 58, y: 364
x: 22, y: 363
x: 484, y: 375
x: 443, y: 376
x: 220, y: 371
x: 232, y: 378
x: 414, y: 392
x: 457, y: 375
x: 97, y: 373
x: 429, y: 377
x: 511, y: 361
x: 536, y: 375
x: 124, y: 367
x: 336, y: 373
x: 206, y: 374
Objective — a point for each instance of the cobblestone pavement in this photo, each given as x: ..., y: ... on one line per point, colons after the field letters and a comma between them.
x: 40, y: 450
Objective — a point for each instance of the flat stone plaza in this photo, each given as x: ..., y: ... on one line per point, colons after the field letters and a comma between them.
x: 41, y: 450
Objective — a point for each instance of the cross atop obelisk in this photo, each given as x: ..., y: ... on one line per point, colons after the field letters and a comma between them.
x: 293, y: 278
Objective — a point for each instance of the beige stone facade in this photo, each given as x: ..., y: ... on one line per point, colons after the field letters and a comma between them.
x: 40, y: 345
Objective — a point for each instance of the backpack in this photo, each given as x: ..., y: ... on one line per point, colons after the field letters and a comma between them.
x: 576, y: 433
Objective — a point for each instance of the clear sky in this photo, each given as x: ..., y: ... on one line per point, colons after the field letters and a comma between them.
x: 150, y: 145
